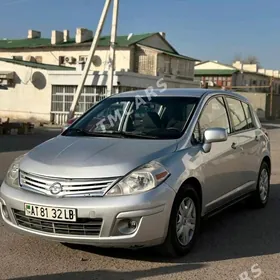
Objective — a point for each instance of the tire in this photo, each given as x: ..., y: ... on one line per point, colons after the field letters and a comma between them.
x: 260, y: 196
x: 174, y: 245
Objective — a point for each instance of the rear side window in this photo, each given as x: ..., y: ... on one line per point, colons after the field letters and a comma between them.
x: 237, y: 114
x: 248, y: 115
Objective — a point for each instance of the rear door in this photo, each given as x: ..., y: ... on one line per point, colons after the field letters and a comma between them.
x: 247, y: 144
x: 220, y: 166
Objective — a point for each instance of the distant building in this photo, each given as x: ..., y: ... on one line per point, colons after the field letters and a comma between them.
x: 42, y: 74
x: 148, y: 54
x: 245, y: 77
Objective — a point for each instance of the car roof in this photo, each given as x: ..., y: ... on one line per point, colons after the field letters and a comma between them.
x: 175, y: 92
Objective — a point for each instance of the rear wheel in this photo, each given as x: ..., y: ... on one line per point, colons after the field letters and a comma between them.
x: 260, y: 196
x: 184, y: 223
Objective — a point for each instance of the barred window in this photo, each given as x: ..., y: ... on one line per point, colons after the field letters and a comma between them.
x: 62, y: 98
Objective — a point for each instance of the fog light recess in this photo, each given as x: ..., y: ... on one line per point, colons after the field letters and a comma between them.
x: 5, y: 212
x: 127, y: 226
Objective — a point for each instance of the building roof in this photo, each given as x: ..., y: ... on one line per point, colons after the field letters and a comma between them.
x: 218, y: 72
x: 179, y: 56
x: 175, y: 53
x: 36, y: 65
x: 104, y: 41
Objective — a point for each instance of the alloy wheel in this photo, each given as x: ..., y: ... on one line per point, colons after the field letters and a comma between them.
x: 264, y: 185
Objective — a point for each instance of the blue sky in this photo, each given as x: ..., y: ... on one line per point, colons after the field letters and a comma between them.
x: 204, y: 29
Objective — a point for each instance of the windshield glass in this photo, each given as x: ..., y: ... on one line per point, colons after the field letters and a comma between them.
x: 157, y: 117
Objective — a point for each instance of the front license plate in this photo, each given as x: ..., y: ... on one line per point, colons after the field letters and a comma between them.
x: 50, y: 213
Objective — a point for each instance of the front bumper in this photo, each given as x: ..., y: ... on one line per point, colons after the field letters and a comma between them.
x: 151, y: 210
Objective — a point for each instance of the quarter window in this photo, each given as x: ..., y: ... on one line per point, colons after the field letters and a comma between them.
x: 237, y: 114
x: 248, y: 116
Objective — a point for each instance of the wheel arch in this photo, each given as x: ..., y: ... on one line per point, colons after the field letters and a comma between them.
x: 196, y: 184
x: 267, y: 160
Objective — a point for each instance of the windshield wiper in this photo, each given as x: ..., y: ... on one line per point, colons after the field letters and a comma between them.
x: 84, y: 132
x: 76, y: 130
x: 141, y: 135
x: 124, y: 134
x: 118, y: 134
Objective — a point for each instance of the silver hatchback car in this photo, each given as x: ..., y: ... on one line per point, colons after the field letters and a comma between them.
x: 141, y: 169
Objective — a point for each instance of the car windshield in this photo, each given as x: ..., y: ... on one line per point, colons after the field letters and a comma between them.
x: 136, y: 117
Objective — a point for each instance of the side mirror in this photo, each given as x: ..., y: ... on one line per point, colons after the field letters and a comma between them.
x: 213, y: 135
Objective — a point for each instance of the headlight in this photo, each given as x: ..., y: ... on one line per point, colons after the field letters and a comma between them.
x: 12, y: 178
x: 143, y: 179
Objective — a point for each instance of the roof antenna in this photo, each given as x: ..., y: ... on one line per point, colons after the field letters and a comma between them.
x: 129, y: 36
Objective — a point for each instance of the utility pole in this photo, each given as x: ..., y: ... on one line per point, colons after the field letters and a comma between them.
x: 89, y: 59
x: 112, y: 57
x: 271, y: 97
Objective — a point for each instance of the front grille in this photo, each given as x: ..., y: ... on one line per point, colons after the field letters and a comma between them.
x: 69, y: 187
x: 88, y: 227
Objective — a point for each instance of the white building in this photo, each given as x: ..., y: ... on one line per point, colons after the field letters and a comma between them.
x: 44, y: 91
x: 148, y: 53
x: 239, y: 76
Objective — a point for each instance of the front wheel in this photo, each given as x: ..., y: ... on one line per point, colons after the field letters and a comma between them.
x: 260, y: 196
x: 184, y: 223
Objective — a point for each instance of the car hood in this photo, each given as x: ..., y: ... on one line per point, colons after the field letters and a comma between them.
x: 93, y: 157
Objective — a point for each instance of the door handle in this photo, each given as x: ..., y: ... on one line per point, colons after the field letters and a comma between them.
x: 234, y: 145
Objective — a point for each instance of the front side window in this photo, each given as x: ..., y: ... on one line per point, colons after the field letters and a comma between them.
x: 237, y: 114
x: 213, y: 115
x: 156, y: 117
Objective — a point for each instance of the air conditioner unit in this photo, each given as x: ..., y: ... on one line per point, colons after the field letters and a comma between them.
x: 70, y: 59
x: 82, y: 59
x: 30, y: 58
x: 4, y: 82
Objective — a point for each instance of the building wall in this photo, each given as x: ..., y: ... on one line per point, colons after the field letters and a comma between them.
x: 145, y: 60
x: 258, y: 101
x: 216, y: 80
x: 245, y: 67
x: 52, y: 56
x: 152, y: 62
x: 251, y: 80
x: 25, y: 101
x: 171, y: 65
x: 64, y: 85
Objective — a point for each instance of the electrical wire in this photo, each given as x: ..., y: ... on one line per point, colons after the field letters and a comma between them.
x: 54, y: 55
